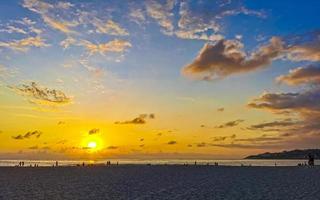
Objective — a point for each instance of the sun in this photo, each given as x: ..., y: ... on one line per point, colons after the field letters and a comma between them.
x: 92, y: 145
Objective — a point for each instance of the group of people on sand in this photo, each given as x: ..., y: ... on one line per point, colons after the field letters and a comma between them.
x: 21, y: 164
x: 310, y: 161
x: 195, y: 163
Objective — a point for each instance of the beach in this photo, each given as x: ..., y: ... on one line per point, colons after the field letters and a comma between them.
x: 160, y: 182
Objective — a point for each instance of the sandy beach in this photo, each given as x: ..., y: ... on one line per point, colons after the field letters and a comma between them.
x: 160, y: 182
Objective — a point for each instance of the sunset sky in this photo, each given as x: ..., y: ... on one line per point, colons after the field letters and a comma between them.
x: 158, y: 79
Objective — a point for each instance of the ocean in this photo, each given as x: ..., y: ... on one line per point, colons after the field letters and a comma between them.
x: 240, y: 162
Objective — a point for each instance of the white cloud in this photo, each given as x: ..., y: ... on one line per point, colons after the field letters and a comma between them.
x: 109, y: 27
x: 24, y: 44
x: 137, y: 16
x: 117, y: 46
x: 162, y: 14
x: 66, y: 43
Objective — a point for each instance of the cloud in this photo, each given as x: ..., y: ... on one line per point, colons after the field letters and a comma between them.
x: 109, y: 27
x: 26, y: 21
x: 223, y: 138
x: 305, y: 105
x: 261, y: 142
x: 220, y: 109
x: 24, y: 44
x: 161, y: 12
x: 220, y: 138
x: 37, y: 6
x: 226, y: 57
x: 141, y: 119
x: 33, y: 147
x: 202, y: 20
x: 42, y: 95
x: 302, y: 75
x: 112, y: 147
x: 24, y: 26
x: 307, y: 101
x: 172, y: 142
x: 263, y: 138
x: 137, y: 16
x: 66, y: 43
x: 117, y: 46
x: 94, y: 131
x: 64, y: 5
x: 28, y: 135
x: 49, y: 17
x: 195, y: 24
x: 13, y: 29
x: 230, y: 124
x: 96, y: 71
x: 202, y: 144
x: 308, y: 51
x: 248, y: 146
x: 61, y: 122
x: 62, y: 26
x: 198, y: 20
x: 274, y: 125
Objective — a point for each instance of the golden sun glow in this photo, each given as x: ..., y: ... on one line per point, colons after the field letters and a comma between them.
x: 92, y: 145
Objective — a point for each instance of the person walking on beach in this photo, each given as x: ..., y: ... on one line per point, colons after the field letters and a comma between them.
x: 310, y: 159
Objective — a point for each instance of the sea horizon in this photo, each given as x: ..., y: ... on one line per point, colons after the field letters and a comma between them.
x: 220, y: 162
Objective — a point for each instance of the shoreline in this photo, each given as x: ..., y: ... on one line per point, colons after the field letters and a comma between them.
x: 157, y: 165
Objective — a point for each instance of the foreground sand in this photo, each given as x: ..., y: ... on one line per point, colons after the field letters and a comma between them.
x: 160, y: 182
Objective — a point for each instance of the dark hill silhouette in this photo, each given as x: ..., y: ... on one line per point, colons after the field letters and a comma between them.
x: 294, y: 154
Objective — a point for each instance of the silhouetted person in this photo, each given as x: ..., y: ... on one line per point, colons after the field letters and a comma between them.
x: 83, y: 164
x: 310, y: 159
x: 57, y: 163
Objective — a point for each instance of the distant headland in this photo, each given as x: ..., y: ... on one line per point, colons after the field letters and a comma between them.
x: 294, y: 154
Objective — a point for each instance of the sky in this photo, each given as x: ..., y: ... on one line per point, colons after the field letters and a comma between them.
x: 152, y: 79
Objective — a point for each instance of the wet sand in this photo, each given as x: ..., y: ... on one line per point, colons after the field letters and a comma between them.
x: 160, y: 182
